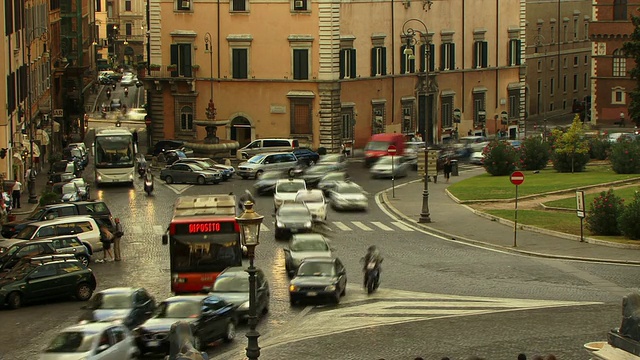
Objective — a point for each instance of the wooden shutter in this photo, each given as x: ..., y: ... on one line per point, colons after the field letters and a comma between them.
x: 412, y: 63
x: 301, y: 118
x: 518, y: 55
x: 186, y: 60
x: 8, y: 17
x: 485, y: 54
x: 443, y: 51
x: 174, y: 58
x: 239, y: 65
x: 476, y: 46
x: 452, y: 56
x: 373, y: 62
x: 353, y: 73
x: 383, y: 66
x: 244, y: 63
x: 300, y: 64
x: 342, y: 67
x: 403, y: 59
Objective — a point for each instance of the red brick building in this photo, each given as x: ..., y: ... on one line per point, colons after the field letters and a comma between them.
x: 611, y: 84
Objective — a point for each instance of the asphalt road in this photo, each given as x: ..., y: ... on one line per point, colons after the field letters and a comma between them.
x: 437, y: 297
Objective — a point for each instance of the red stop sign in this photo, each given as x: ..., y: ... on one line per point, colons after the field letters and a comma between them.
x: 517, y: 178
x: 391, y: 150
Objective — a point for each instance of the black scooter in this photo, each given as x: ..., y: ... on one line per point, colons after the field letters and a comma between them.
x: 372, y: 276
x: 148, y: 184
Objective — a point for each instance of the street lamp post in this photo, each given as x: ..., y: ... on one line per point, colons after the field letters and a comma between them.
x: 249, y: 222
x: 208, y: 48
x: 31, y: 181
x: 409, y: 33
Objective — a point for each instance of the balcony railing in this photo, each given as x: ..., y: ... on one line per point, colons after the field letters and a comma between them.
x: 164, y: 73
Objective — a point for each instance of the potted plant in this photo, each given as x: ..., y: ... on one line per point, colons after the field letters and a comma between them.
x: 172, y: 67
x: 154, y: 67
x: 195, y: 67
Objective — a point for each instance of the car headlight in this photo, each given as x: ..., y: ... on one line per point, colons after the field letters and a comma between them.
x: 330, y: 288
x: 308, y: 224
x: 279, y: 224
x: 293, y: 288
x: 131, y: 177
x: 244, y: 306
x: 99, y: 178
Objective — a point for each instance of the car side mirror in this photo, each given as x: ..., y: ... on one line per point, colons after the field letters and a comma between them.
x: 165, y: 239
x: 102, y: 348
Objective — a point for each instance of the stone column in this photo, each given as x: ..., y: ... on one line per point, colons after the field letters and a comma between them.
x: 330, y: 116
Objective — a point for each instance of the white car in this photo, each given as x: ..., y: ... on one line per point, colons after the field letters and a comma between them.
x: 477, y: 158
x: 384, y: 168
x: 348, y: 196
x: 315, y: 202
x: 136, y: 114
x: 286, y: 190
x: 92, y: 341
x: 128, y: 80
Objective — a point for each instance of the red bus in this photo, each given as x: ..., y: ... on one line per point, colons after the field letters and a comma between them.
x: 203, y: 239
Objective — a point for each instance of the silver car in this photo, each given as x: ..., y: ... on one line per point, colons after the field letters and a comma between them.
x: 337, y: 161
x: 330, y: 180
x: 190, y: 174
x: 257, y: 165
x: 384, y: 168
x: 93, y: 341
x: 292, y: 218
x: 304, y: 246
x: 348, y: 196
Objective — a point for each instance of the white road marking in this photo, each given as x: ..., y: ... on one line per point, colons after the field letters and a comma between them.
x: 401, y: 225
x: 361, y: 226
x: 381, y: 226
x: 341, y: 226
x: 178, y: 188
x: 263, y: 227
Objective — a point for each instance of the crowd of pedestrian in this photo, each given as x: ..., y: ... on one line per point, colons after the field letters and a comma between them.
x: 111, y: 243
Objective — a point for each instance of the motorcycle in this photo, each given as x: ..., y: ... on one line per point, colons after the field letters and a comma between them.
x: 148, y: 184
x: 108, y: 94
x: 104, y: 113
x: 372, y: 276
x: 142, y: 169
x: 126, y: 92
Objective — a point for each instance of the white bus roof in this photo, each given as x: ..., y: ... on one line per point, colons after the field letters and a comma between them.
x: 221, y: 205
x: 113, y: 131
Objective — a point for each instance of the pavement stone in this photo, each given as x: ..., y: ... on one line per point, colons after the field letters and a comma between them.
x: 459, y: 222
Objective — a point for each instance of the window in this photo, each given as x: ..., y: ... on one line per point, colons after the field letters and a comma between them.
x: 301, y: 117
x: 183, y: 5
x: 564, y: 104
x: 514, y: 104
x: 618, y: 96
x: 300, y: 64
x: 45, y: 232
x: 480, y: 54
x: 564, y: 83
x: 239, y: 65
x: 539, y: 66
x: 565, y: 62
x: 575, y: 82
x: 378, y: 61
x: 118, y: 334
x: 539, y: 97
x: 181, y: 57
x: 586, y: 60
x: 479, y: 114
x: 447, y: 56
x: 238, y: 5
x: 186, y: 118
x: 585, y: 80
x: 348, y: 64
x: 552, y: 64
x: 127, y: 5
x: 620, y: 10
x: 128, y: 29
x: 407, y: 65
x: 347, y: 123
x: 44, y: 271
x: 301, y: 5
x: 408, y: 126
x: 514, y: 52
x: 553, y: 86
x: 551, y: 106
x: 619, y: 63
x: 378, y: 119
x: 98, y: 5
x: 429, y: 54
x: 447, y: 111
x: 565, y: 33
x: 575, y: 61
x: 553, y: 34
x: 586, y: 30
x: 575, y: 28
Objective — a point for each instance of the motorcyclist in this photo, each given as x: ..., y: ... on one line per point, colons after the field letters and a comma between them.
x: 126, y: 92
x: 108, y: 93
x: 247, y: 196
x: 372, y: 255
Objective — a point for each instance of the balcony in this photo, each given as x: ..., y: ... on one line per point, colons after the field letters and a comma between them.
x: 163, y: 73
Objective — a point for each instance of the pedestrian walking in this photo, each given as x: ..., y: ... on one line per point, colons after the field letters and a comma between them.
x: 106, y: 238
x: 15, y: 194
x: 116, y: 240
x: 447, y: 169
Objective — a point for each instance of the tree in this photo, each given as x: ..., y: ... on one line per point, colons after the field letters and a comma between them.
x: 631, y: 49
x: 571, y: 149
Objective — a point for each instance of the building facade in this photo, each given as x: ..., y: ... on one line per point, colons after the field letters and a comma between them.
x: 125, y: 31
x: 610, y: 28
x: 559, y: 59
x: 314, y: 71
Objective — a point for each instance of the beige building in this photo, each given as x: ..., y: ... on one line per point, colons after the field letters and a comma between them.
x: 559, y: 59
x: 125, y: 31
x: 331, y: 71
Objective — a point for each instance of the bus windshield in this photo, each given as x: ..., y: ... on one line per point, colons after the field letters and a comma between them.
x: 205, y: 253
x: 114, y: 151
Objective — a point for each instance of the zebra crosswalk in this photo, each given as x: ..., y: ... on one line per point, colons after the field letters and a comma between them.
x: 358, y: 226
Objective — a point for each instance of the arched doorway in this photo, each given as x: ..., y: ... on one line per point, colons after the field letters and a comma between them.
x: 128, y: 55
x: 241, y: 130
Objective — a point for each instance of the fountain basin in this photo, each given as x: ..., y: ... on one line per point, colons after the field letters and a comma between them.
x: 220, y: 150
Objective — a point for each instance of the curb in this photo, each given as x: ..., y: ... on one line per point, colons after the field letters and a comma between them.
x: 384, y: 200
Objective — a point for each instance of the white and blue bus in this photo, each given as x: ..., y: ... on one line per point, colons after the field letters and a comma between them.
x: 114, y: 156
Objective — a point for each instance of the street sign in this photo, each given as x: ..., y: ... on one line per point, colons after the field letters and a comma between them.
x: 391, y: 150
x: 58, y: 113
x: 580, y: 203
x: 517, y: 178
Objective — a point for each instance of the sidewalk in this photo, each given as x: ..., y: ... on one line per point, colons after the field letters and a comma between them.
x: 41, y: 182
x: 459, y: 222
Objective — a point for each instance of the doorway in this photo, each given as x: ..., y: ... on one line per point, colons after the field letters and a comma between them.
x: 241, y: 130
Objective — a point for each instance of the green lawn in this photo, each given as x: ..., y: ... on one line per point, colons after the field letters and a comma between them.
x: 570, y: 202
x: 564, y: 222
x: 485, y: 186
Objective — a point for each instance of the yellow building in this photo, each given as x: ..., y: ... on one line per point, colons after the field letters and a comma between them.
x: 328, y: 72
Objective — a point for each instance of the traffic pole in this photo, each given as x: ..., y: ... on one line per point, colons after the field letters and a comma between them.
x: 393, y: 178
x: 515, y: 223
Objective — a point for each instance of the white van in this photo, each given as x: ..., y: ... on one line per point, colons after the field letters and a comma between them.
x: 267, y: 145
x: 84, y: 227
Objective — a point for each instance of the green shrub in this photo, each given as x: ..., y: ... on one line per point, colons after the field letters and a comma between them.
x: 571, y: 150
x: 500, y: 158
x: 534, y: 153
x: 625, y: 157
x: 48, y: 198
x: 599, y: 148
x: 628, y: 221
x: 602, y: 218
x: 564, y: 162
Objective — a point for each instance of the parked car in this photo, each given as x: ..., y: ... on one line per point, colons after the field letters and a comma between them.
x: 189, y: 174
x: 258, y: 164
x: 226, y: 171
x: 286, y: 190
x: 84, y: 189
x: 267, y: 182
x: 129, y: 305
x: 330, y: 180
x: 211, y: 318
x: 75, y: 154
x: 304, y: 246
x: 337, y: 161
x: 84, y: 227
x: 66, y: 166
x: 390, y: 166
x: 477, y: 158
x: 314, y: 201
x: 292, y: 218
x: 306, y: 156
x: 164, y: 145
x: 348, y: 196
x: 115, y: 104
x: 318, y: 278
x: 46, y: 277
x: 13, y: 250
x: 94, y: 341
x: 67, y: 191
x: 232, y: 285
x: 60, y: 178
x: 259, y: 146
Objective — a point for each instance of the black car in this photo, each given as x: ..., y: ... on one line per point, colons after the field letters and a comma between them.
x: 60, y: 177
x: 318, y: 278
x: 266, y: 183
x: 14, y: 250
x: 314, y: 174
x: 164, y: 145
x: 66, y: 166
x: 292, y: 218
x: 211, y: 318
x: 132, y: 306
x: 232, y: 285
x: 306, y: 156
x: 46, y: 277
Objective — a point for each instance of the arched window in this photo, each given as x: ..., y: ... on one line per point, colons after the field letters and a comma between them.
x: 620, y: 10
x: 186, y: 118
x: 619, y: 63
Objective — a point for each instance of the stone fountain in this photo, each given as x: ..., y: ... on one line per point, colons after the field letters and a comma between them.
x: 212, y: 146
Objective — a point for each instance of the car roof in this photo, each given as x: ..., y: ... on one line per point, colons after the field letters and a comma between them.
x: 180, y: 298
x: 49, y: 239
x: 276, y: 153
x: 235, y: 271
x: 320, y: 259
x: 10, y: 242
x: 307, y: 237
x: 290, y: 180
x: 310, y: 191
x: 63, y: 220
x: 90, y: 327
x: 289, y: 204
x: 119, y: 290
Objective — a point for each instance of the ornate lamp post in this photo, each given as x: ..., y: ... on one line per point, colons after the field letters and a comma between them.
x: 250, y: 222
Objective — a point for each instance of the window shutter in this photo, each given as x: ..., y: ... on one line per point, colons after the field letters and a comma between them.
x: 373, y: 62
x: 432, y: 57
x: 518, y: 54
x: 452, y: 56
x: 186, y: 66
x: 475, y: 54
x: 443, y: 50
x: 485, y: 54
x: 244, y: 63
x: 423, y: 57
x: 383, y: 71
x: 342, y: 69
x: 412, y: 63
x: 353, y: 64
x: 235, y: 64
x: 304, y: 59
x: 174, y: 58
x: 300, y: 64
x: 403, y: 59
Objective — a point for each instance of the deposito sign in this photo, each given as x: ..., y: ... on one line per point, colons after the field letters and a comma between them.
x: 517, y: 178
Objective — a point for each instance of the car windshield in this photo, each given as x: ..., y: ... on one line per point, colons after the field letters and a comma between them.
x: 256, y: 159
x: 377, y: 146
x: 36, y: 215
x: 309, y: 245
x: 231, y: 284
x: 179, y: 309
x: 111, y: 301
x: 196, y: 167
x: 72, y: 342
x: 330, y: 159
x: 334, y: 176
x: 316, y: 269
x: 12, y: 250
x: 349, y: 189
x: 290, y: 210
x: 290, y: 187
x: 27, y: 232
x: 21, y: 270
x: 311, y: 196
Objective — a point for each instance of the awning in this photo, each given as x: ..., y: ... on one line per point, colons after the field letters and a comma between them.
x: 42, y: 136
x: 27, y: 148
